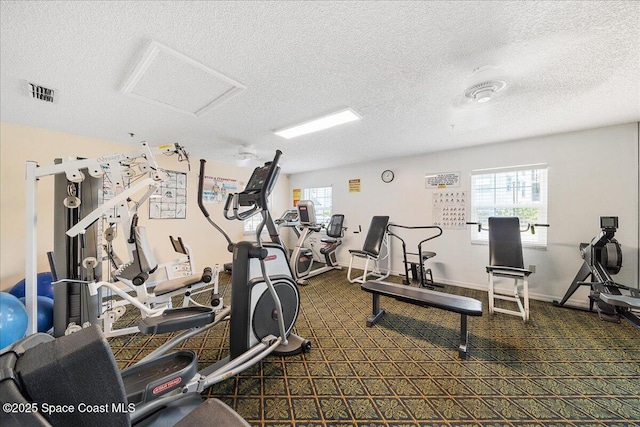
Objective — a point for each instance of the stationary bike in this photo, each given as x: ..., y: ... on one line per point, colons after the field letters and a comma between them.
x: 302, y: 258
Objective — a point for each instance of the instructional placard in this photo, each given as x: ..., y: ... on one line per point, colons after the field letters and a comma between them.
x: 442, y: 180
x: 354, y: 185
x: 169, y: 201
x: 450, y: 209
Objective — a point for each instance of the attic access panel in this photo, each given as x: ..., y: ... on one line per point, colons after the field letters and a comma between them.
x: 170, y: 79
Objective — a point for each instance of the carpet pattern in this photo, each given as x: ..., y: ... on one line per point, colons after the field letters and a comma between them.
x: 563, y: 368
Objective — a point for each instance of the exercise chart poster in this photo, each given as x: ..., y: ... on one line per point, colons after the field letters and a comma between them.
x: 169, y: 201
x: 450, y: 209
x: 215, y: 189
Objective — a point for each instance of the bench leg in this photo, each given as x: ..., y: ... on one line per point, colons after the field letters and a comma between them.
x: 377, y: 311
x: 464, y: 337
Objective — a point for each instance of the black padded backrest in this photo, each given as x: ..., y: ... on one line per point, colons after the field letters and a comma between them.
x: 375, y: 235
x: 505, y: 245
x: 178, y: 246
x: 74, y: 369
x: 334, y: 229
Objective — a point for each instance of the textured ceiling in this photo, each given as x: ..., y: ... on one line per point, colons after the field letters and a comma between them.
x: 403, y: 66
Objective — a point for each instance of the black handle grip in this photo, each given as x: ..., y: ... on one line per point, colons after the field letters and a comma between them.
x: 207, y: 275
x: 258, y: 252
x: 201, y: 188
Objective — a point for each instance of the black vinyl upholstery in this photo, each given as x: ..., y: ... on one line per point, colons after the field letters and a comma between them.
x: 505, y: 244
x: 71, y: 369
x: 76, y: 381
x: 375, y: 236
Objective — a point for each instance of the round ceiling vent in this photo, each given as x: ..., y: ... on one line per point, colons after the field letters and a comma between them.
x: 483, y: 91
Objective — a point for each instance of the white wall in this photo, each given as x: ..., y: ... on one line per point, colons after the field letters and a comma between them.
x: 21, y: 143
x: 592, y: 173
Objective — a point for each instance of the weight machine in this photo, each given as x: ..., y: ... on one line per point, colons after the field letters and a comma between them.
x: 416, y: 264
x: 506, y: 261
x: 138, y: 165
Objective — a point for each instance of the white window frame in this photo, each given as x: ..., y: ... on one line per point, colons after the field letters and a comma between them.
x: 511, y: 191
x: 250, y: 225
x: 322, y: 198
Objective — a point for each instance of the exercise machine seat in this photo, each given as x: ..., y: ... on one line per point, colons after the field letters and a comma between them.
x: 376, y: 242
x: 79, y: 369
x: 334, y: 229
x: 76, y: 368
x: 506, y: 260
x: 375, y: 237
x: 505, y: 245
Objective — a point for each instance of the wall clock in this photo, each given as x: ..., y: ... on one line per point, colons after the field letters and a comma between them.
x: 387, y: 176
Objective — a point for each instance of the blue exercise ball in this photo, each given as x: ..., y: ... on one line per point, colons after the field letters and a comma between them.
x: 45, y: 312
x: 45, y: 286
x: 13, y: 319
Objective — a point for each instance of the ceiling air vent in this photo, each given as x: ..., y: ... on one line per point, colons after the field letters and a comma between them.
x: 40, y: 92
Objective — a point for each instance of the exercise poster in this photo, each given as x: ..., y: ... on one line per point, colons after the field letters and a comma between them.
x: 297, y: 194
x: 169, y: 201
x: 450, y: 209
x: 216, y: 189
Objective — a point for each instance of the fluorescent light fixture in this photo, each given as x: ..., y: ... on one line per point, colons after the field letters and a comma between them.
x: 321, y: 123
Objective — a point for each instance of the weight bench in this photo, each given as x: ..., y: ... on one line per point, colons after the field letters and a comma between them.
x: 425, y: 298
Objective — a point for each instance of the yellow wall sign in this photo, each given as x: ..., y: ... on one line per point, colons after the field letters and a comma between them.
x: 354, y: 185
x: 297, y: 194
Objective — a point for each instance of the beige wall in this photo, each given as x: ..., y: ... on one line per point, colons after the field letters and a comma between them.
x: 20, y: 143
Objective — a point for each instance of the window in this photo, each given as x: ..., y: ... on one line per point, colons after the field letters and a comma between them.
x: 251, y: 224
x: 517, y: 191
x: 322, y: 202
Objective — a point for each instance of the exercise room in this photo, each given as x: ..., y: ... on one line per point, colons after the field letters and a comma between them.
x: 320, y: 213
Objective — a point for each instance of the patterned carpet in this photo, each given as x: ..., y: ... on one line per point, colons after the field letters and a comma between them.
x: 563, y: 368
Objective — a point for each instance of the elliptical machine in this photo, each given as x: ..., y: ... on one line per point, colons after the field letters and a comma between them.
x: 302, y: 258
x: 265, y: 301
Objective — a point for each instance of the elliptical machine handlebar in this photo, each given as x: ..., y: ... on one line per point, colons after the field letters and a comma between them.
x: 232, y: 204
